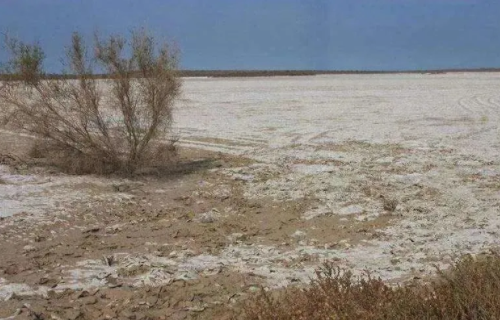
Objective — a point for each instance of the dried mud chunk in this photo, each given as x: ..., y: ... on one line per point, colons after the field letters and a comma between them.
x: 48, y: 282
x: 133, y: 270
x: 73, y: 315
x: 389, y: 204
x: 109, y: 260
x: 92, y: 230
x: 299, y: 234
x: 113, y: 282
x: 209, y: 216
x: 10, y: 160
x: 122, y: 187
x: 39, y: 238
x: 12, y: 270
x: 236, y: 237
x: 88, y: 300
x: 28, y: 248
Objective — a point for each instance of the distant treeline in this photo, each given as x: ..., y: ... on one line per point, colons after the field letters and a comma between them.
x: 265, y: 73
x: 270, y: 73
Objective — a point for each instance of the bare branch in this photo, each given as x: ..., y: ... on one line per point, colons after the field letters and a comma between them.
x: 114, y: 121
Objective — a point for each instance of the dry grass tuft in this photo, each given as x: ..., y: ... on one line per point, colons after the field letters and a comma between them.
x: 73, y: 161
x: 469, y: 290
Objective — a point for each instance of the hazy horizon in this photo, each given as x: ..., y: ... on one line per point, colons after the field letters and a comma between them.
x: 383, y: 35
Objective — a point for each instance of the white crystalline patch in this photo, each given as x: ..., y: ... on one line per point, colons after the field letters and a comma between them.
x: 243, y: 177
x: 331, y: 155
x: 488, y: 172
x: 8, y: 289
x: 10, y: 178
x: 367, y: 217
x: 24, y: 198
x: 316, y: 212
x: 386, y: 160
x: 352, y: 209
x: 158, y: 270
x: 433, y: 118
x: 201, y: 263
x: 469, y: 163
x: 313, y: 169
x: 408, y: 179
x: 88, y: 274
x: 37, y: 195
x: 18, y: 194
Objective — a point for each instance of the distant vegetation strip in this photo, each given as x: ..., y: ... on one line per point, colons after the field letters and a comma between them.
x: 268, y: 73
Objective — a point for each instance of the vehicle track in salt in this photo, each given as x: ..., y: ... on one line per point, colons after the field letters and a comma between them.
x: 487, y: 107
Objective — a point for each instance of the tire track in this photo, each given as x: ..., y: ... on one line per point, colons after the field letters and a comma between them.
x: 485, y: 106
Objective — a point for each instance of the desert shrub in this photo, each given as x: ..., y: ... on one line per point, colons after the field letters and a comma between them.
x: 469, y: 290
x: 90, y: 125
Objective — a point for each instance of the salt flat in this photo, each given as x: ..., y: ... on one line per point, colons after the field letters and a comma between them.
x: 458, y: 110
x: 428, y: 142
x: 390, y: 173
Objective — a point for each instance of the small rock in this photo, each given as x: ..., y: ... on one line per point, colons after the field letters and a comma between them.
x: 92, y: 230
x: 88, y: 300
x: 121, y: 187
x: 51, y: 283
x: 29, y: 248
x: 255, y: 205
x: 234, y: 237
x: 79, y: 294
x: 73, y: 314
x: 113, y: 229
x: 389, y: 204
x: 298, y: 234
x: 209, y: 217
x: 313, y: 242
x: 107, y: 313
x: 331, y: 245
x: 113, y: 282
x: 344, y: 244
x: 196, y: 309
x: 11, y: 270
x: 39, y: 238
x: 188, y: 253
x: 55, y: 317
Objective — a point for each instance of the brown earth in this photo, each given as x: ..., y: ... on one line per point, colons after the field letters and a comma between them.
x: 167, y: 215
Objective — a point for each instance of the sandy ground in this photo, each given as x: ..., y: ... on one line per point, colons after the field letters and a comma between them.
x: 389, y: 173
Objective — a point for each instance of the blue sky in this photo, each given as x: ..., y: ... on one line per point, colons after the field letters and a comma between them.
x: 278, y: 34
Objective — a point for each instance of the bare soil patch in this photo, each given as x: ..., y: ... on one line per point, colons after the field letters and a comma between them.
x: 165, y: 245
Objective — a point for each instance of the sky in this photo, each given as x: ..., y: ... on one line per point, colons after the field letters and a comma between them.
x: 277, y: 34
